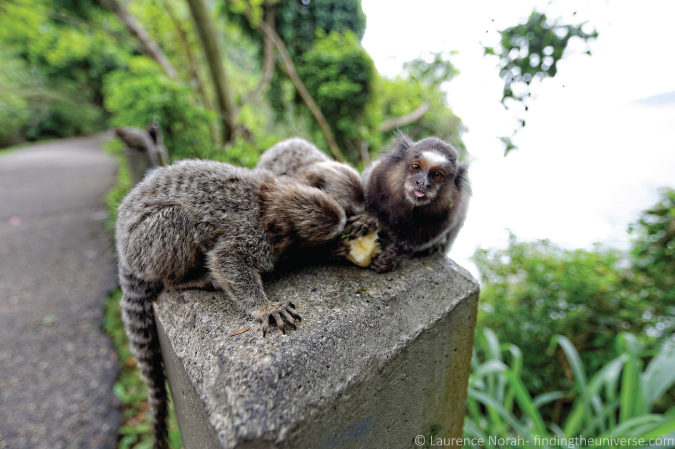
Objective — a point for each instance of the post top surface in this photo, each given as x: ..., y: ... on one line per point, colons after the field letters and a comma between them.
x: 353, y: 322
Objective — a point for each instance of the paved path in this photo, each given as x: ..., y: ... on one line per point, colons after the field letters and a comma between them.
x: 57, y: 368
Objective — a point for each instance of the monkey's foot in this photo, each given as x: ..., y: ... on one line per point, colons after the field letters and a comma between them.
x: 383, y: 262
x: 282, y: 313
x: 359, y: 225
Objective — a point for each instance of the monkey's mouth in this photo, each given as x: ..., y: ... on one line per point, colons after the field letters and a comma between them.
x: 419, y: 194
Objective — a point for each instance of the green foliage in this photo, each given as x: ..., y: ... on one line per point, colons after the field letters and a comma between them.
x: 401, y: 96
x: 532, y: 291
x: 32, y: 109
x: 338, y: 74
x: 653, y: 252
x: 532, y: 50
x: 144, y: 94
x: 431, y: 70
x: 529, y: 52
x: 615, y: 401
x: 51, y: 68
x: 297, y: 22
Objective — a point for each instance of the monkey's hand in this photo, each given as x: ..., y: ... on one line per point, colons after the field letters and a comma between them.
x: 359, y: 225
x: 385, y: 261
x: 339, y: 251
x: 282, y: 313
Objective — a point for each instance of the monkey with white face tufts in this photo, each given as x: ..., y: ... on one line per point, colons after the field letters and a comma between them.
x: 419, y: 192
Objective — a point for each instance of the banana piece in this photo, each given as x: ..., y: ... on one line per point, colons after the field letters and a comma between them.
x: 363, y: 249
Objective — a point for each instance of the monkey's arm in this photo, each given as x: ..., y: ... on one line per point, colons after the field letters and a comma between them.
x: 238, y: 274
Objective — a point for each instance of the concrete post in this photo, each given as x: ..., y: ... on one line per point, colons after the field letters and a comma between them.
x: 138, y: 163
x: 377, y: 360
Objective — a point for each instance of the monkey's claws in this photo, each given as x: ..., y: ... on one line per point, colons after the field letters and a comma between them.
x: 383, y: 262
x: 339, y: 251
x: 283, y: 315
x: 359, y: 225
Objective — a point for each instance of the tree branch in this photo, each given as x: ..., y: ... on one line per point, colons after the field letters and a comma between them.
x: 193, y: 64
x: 207, y: 35
x: 300, y: 87
x: 268, y: 58
x: 148, y: 45
x: 405, y: 119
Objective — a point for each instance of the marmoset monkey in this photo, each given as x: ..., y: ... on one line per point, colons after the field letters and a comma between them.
x: 197, y: 224
x: 301, y: 160
x: 420, y: 194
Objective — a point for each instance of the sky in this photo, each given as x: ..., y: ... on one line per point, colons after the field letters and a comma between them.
x: 592, y: 155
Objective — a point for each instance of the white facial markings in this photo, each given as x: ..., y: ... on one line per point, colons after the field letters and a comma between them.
x: 434, y: 158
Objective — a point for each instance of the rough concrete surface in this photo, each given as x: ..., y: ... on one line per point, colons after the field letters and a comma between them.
x: 57, y: 368
x: 377, y: 359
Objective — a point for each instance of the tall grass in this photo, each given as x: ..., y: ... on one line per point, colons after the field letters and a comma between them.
x: 613, y: 403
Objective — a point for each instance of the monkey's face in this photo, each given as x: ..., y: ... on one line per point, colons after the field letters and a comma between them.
x: 428, y: 174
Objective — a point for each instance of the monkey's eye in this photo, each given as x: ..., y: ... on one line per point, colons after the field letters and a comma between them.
x: 438, y: 175
x: 416, y: 168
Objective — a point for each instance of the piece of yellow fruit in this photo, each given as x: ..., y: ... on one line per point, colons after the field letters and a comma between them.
x: 363, y: 249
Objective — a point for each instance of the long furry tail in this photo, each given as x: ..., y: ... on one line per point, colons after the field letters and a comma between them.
x: 139, y: 322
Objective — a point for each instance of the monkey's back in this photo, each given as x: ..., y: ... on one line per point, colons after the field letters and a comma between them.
x: 178, y: 213
x: 290, y: 156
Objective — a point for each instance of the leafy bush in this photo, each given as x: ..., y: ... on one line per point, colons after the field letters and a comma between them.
x: 402, y: 95
x: 653, y: 255
x: 616, y: 401
x: 533, y: 291
x: 144, y: 94
x: 30, y: 109
x: 339, y: 75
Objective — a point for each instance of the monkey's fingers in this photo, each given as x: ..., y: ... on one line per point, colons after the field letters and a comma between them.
x: 277, y: 319
x: 283, y: 314
x: 360, y: 225
x: 383, y: 262
x: 290, y: 308
x: 339, y: 252
x: 265, y: 321
x: 287, y: 317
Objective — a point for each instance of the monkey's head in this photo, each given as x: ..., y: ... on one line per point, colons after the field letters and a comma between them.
x: 429, y: 170
x: 295, y: 214
x: 339, y: 181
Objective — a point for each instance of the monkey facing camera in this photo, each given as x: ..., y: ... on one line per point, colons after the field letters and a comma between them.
x: 419, y: 192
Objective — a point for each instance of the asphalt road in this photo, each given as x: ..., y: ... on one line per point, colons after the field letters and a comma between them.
x: 57, y: 368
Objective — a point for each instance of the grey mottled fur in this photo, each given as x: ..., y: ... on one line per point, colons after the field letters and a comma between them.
x: 197, y: 224
x: 303, y: 161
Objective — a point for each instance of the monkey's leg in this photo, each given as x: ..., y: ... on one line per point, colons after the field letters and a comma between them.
x: 139, y: 322
x: 240, y: 277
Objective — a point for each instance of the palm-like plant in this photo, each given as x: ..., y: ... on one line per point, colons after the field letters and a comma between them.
x: 616, y: 402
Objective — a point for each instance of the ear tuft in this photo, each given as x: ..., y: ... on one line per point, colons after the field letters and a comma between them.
x: 462, y: 178
x: 401, y: 145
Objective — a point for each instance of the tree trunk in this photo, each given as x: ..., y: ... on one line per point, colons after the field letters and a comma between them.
x: 207, y: 35
x: 268, y: 58
x: 307, y: 98
x: 193, y: 64
x: 148, y: 45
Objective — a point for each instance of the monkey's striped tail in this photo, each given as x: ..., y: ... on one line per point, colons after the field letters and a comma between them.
x: 139, y: 322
